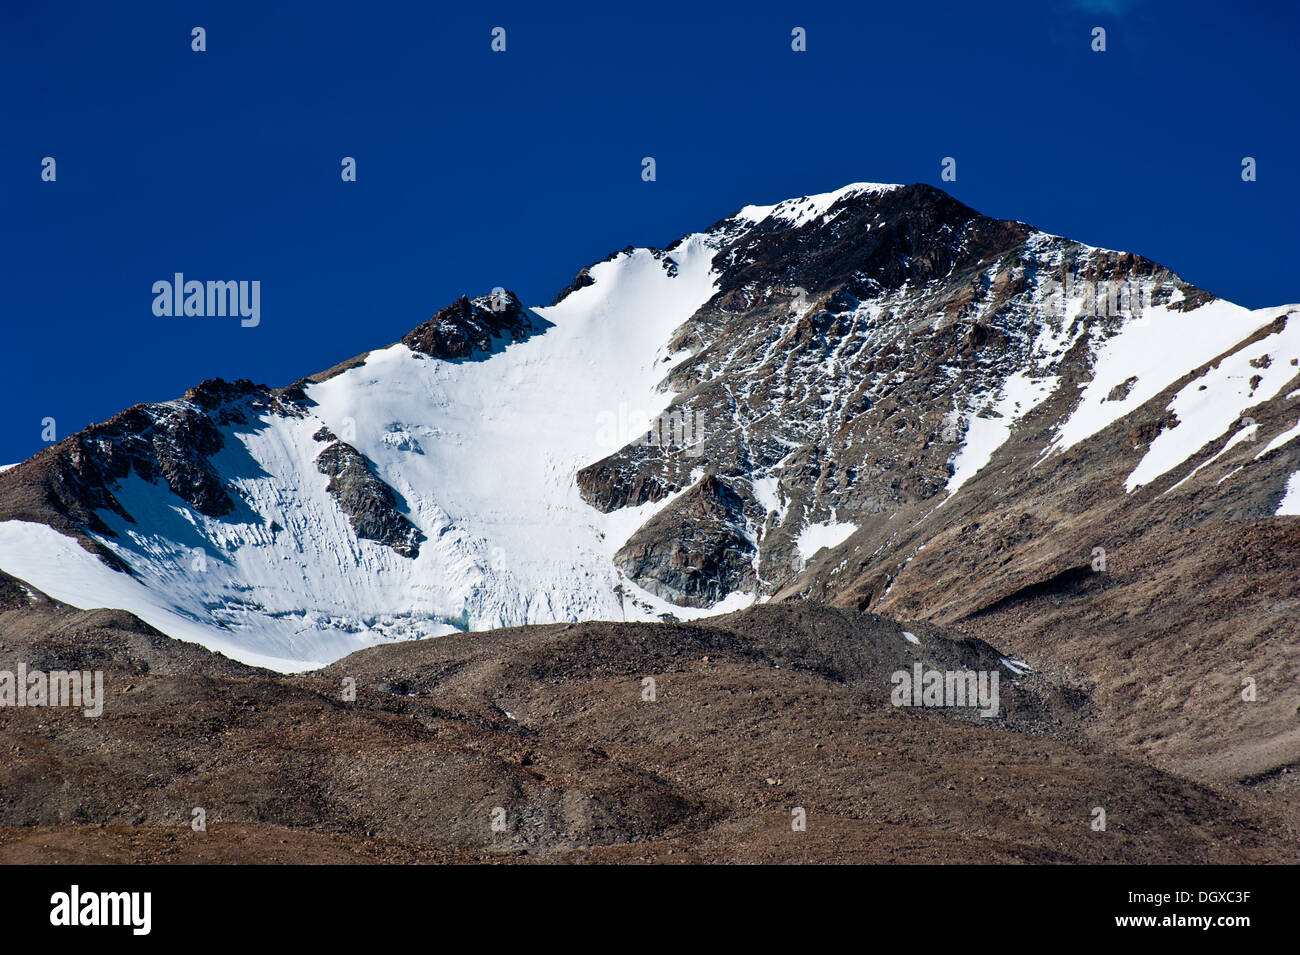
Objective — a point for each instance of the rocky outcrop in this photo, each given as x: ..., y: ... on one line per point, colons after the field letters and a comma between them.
x: 473, y: 327
x: 370, y: 504
x: 696, y: 551
x: 581, y: 280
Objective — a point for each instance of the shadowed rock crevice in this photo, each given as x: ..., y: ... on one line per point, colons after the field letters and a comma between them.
x: 1071, y: 582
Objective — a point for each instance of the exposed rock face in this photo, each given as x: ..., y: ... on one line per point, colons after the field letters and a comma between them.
x: 581, y: 280
x: 696, y: 551
x: 156, y: 442
x: 369, y: 503
x: 838, y: 367
x: 172, y: 441
x: 866, y: 243
x: 469, y: 327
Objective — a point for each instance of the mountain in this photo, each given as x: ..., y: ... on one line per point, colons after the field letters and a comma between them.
x: 815, y: 443
x: 875, y: 398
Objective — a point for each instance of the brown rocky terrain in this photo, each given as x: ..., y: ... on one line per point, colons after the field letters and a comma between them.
x: 1200, y: 588
x: 754, y: 715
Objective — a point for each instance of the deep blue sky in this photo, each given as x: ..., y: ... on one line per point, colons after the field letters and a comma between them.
x: 479, y: 169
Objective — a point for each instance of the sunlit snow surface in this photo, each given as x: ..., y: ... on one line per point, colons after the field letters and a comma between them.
x: 483, y: 455
x: 813, y: 537
x: 1210, y: 404
x: 1290, y: 503
x: 801, y: 211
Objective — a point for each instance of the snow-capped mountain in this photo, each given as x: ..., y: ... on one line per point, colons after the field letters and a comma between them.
x: 798, y: 400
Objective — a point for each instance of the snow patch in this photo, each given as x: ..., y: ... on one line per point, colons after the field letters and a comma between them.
x: 1018, y: 667
x: 814, y: 537
x: 768, y: 494
x: 1207, y: 406
x: 1245, y: 434
x: 1286, y: 436
x: 989, y: 427
x: 798, y: 212
x: 1154, y: 350
x: 992, y: 416
x: 1290, y: 503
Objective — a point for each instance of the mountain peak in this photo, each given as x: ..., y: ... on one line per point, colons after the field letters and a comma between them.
x: 804, y: 209
x: 473, y: 327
